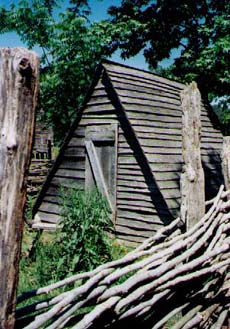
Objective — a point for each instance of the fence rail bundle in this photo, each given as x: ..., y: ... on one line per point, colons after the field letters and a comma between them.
x: 172, y: 275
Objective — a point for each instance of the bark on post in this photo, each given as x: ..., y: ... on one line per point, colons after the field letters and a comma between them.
x: 226, y: 161
x: 192, y: 178
x: 18, y: 95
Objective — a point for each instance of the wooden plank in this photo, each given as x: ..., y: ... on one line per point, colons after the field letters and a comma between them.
x: 138, y: 225
x: 70, y: 173
x: 153, y: 158
x: 123, y: 143
x: 150, y: 135
x: 91, y: 116
x: 122, y: 151
x: 225, y: 157
x: 53, y: 191
x: 100, y: 123
x: 153, y: 102
x: 50, y: 208
x: 141, y: 75
x: 138, y: 175
x: 99, y: 91
x: 44, y: 226
x: 101, y: 134
x: 210, y: 140
x: 140, y: 85
x: 148, y: 211
x: 142, y: 205
x: 73, y: 165
x: 154, y: 116
x: 158, y: 131
x: 139, y: 197
x: 141, y: 183
x: 98, y: 100
x: 76, y: 141
x: 19, y: 71
x: 192, y: 178
x: 97, y: 172
x: 155, y: 106
x: 126, y: 231
x: 98, y: 120
x: 66, y: 182
x: 210, y: 129
x: 210, y: 134
x: 74, y: 151
x: 79, y: 132
x: 125, y: 89
x: 125, y: 94
x: 103, y: 109
x: 46, y: 217
x: 156, y: 167
x: 167, y: 193
x: 156, y: 124
x: 134, y: 215
x: 55, y: 199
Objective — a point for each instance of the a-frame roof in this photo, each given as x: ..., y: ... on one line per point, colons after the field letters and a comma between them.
x: 151, y: 108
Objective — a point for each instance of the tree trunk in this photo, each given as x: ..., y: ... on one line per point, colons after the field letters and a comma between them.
x: 192, y: 178
x: 18, y: 96
x: 226, y: 161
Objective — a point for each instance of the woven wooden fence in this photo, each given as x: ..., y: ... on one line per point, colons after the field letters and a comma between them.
x: 173, y: 275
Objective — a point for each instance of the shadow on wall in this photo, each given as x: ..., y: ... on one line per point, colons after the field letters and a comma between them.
x: 213, y: 173
x: 156, y: 195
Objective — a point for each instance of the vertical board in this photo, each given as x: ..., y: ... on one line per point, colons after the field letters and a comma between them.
x: 19, y: 70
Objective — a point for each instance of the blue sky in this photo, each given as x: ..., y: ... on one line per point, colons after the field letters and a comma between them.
x: 99, y: 11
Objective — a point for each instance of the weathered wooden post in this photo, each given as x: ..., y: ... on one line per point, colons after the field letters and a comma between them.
x: 226, y: 161
x: 192, y: 178
x: 18, y: 95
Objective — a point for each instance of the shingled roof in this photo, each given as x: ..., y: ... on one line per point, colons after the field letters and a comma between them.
x: 144, y: 111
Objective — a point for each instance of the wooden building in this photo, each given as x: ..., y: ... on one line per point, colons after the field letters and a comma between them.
x: 42, y: 157
x: 127, y: 140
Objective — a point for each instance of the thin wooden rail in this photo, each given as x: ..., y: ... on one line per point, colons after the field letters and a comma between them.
x: 170, y: 274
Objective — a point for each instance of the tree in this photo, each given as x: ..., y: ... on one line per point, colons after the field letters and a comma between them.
x: 197, y: 30
x: 71, y: 46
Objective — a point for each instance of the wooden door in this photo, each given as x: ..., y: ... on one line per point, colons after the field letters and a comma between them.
x: 101, y: 161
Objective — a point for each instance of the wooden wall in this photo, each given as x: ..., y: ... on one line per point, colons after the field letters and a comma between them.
x: 147, y: 111
x: 152, y: 105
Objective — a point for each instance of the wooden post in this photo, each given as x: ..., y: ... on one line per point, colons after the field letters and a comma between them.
x: 226, y: 161
x: 18, y: 95
x: 192, y: 178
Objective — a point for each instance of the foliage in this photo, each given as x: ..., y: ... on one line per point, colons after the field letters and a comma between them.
x: 37, y: 269
x: 84, y: 235
x: 71, y: 46
x: 80, y: 245
x: 197, y: 30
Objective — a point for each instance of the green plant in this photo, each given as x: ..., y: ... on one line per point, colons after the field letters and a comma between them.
x: 39, y: 268
x: 83, y: 239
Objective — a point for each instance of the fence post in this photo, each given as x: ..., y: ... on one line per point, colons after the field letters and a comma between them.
x: 192, y: 178
x: 225, y: 157
x: 18, y: 95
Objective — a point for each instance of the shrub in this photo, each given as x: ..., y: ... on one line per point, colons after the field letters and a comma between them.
x: 83, y: 239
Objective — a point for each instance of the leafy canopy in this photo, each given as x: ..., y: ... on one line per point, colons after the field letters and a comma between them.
x: 198, y: 31
x: 71, y: 47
